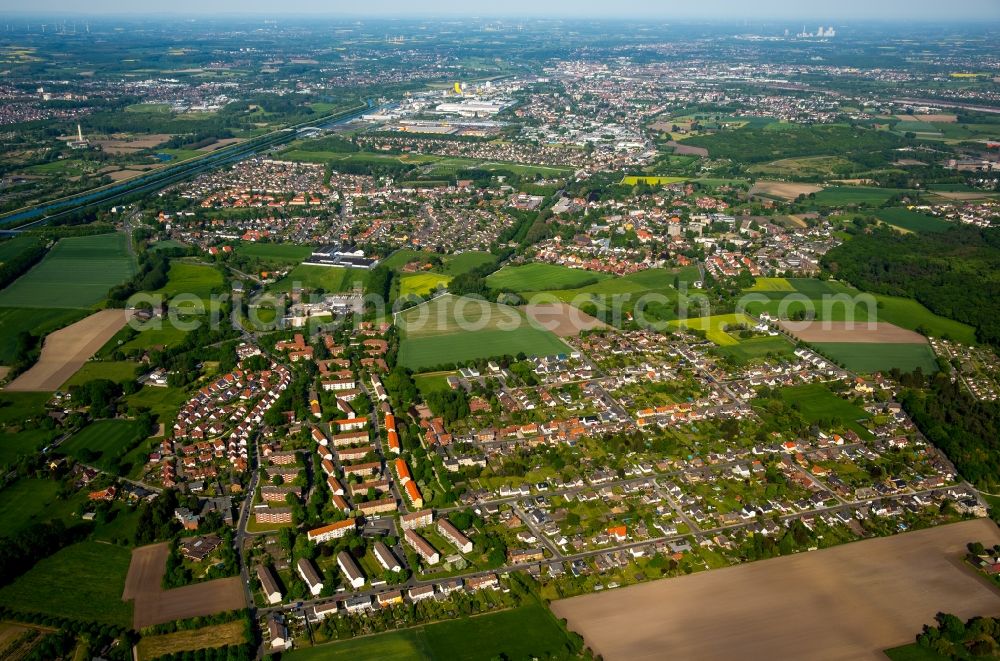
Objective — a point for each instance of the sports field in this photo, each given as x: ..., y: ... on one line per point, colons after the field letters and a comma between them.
x: 76, y: 273
x: 80, y: 582
x: 421, y: 284
x: 714, y: 326
x: 525, y: 632
x: 867, y: 357
x: 846, y: 602
x: 540, y: 276
x: 107, y: 438
x: 278, y: 254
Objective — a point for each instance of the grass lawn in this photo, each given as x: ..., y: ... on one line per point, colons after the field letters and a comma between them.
x: 875, y: 357
x: 319, y: 277
x: 31, y: 500
x: 192, y: 279
x: 166, y: 336
x: 167, y: 244
x: 520, y: 633
x: 37, y: 321
x: 539, y: 276
x: 466, y: 261
x: 912, y: 220
x: 421, y: 284
x: 836, y: 196
x: 81, y: 582
x: 76, y: 273
x: 163, y: 402
x: 756, y: 347
x: 113, y: 371
x: 108, y: 437
x: 714, y: 326
x: 14, y: 446
x: 815, y: 402
x: 20, y: 406
x: 913, y: 652
x: 432, y: 382
x: 217, y: 635
x: 275, y: 253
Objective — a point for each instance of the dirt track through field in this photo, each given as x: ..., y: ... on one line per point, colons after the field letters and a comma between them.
x: 154, y: 605
x: 66, y: 350
x: 562, y: 319
x: 848, y: 602
x: 861, y: 332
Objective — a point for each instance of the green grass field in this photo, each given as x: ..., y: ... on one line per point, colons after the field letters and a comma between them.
x: 836, y: 196
x: 907, y: 313
x: 20, y: 406
x: 404, y: 256
x: 113, y: 371
x: 80, y: 582
x: 874, y: 357
x: 279, y: 254
x: 199, y: 280
x: 319, y: 277
x: 466, y: 261
x: 166, y: 336
x: 432, y: 382
x: 912, y: 221
x: 521, y: 633
x: 76, y: 273
x: 539, y: 276
x: 10, y: 248
x: 714, y: 326
x: 451, y: 329
x: 914, y: 652
x: 754, y: 348
x: 23, y: 443
x: 163, y: 402
x: 108, y: 437
x: 815, y: 402
x: 37, y: 321
x: 421, y: 284
x: 31, y: 500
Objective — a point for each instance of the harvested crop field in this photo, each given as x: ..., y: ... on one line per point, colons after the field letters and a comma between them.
x: 66, y: 350
x: 846, y: 602
x: 943, y: 118
x: 154, y: 605
x: 783, y: 189
x: 562, y: 319
x: 846, y: 331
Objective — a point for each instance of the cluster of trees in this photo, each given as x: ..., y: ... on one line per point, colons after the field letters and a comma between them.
x: 966, y: 429
x: 18, y: 265
x: 451, y: 405
x: 152, y: 273
x: 954, y: 639
x: 156, y: 519
x: 956, y: 273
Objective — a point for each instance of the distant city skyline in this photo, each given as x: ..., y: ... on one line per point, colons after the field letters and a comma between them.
x: 735, y: 10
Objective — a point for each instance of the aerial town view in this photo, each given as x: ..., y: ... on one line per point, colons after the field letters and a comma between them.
x: 555, y: 331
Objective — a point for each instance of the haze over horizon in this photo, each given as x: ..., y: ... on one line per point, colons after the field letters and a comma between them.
x: 846, y: 10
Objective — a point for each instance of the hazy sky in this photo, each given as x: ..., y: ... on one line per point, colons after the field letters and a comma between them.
x: 828, y: 10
